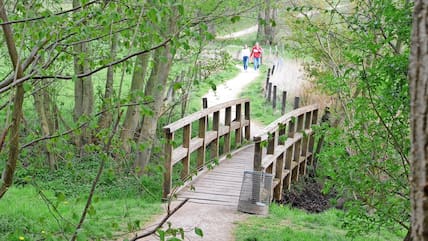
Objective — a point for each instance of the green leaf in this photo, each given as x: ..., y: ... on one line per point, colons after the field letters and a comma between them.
x: 92, y: 211
x: 235, y: 19
x: 161, y: 234
x: 199, y: 232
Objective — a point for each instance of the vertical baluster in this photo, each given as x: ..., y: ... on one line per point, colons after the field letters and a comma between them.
x: 238, y: 118
x: 187, y: 135
x: 215, y: 143
x: 247, y: 118
x: 227, y: 121
x: 201, y: 151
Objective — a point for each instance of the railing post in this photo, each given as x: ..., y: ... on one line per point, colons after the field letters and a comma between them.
x: 227, y: 121
x: 247, y: 117
x: 258, y: 152
x: 201, y: 151
x: 274, y: 97
x: 238, y: 118
x: 284, y: 102
x: 257, y: 165
x: 273, y: 69
x: 269, y: 92
x: 187, y: 136
x: 311, y: 144
x: 296, y: 102
x: 167, y: 177
x: 215, y: 143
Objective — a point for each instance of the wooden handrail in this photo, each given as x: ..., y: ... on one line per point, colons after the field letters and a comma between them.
x: 204, y: 137
x: 284, y: 148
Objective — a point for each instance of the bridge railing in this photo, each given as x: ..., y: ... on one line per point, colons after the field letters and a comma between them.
x: 206, y: 134
x: 285, y: 147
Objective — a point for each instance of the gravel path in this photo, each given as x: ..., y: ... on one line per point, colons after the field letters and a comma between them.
x: 239, y: 33
x: 231, y: 89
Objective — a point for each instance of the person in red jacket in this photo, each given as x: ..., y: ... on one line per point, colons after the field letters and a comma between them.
x: 256, y: 54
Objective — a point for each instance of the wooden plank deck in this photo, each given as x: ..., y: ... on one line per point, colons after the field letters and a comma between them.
x: 221, y: 185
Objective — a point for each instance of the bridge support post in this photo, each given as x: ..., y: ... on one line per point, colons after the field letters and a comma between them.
x: 269, y: 92
x: 257, y: 164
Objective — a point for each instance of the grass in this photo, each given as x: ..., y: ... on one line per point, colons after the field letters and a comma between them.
x: 261, y: 109
x: 288, y: 224
x: 202, y: 88
x: 25, y: 216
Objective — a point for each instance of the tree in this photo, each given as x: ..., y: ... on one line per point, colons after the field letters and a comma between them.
x: 9, y: 171
x: 419, y: 121
x: 360, y: 58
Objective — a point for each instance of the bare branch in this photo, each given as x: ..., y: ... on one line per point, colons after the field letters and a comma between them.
x: 56, y: 14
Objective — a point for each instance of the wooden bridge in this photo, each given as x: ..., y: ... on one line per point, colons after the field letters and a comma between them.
x: 206, y: 153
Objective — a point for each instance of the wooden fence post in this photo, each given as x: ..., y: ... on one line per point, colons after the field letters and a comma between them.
x: 296, y: 102
x: 274, y: 96
x: 167, y: 177
x: 269, y: 92
x: 204, y: 103
x: 267, y: 82
x: 273, y: 69
x: 284, y: 102
x: 204, y: 106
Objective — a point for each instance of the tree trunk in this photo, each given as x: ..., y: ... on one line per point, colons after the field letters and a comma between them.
x: 158, y: 78
x: 261, y: 25
x: 268, y: 26
x: 107, y: 116
x: 132, y: 117
x: 418, y: 73
x: 42, y: 106
x: 9, y: 170
x: 83, y: 89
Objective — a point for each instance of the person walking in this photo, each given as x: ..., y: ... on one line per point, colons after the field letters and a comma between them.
x: 256, y: 54
x: 245, y: 54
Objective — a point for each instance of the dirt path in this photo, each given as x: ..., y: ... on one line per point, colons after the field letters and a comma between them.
x: 239, y: 33
x: 231, y: 89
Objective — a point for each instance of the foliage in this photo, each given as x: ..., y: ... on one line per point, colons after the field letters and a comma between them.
x: 25, y: 214
x: 286, y: 224
x: 359, y: 52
